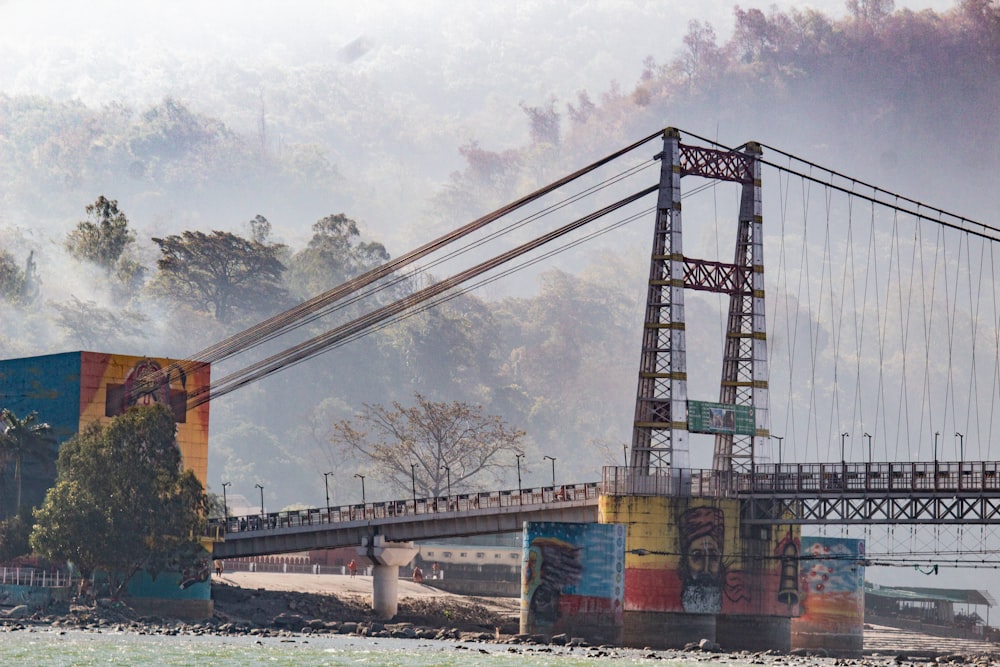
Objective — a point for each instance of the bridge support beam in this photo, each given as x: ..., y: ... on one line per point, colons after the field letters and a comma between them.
x: 387, y: 557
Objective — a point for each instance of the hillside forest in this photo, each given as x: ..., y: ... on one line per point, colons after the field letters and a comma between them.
x: 158, y: 229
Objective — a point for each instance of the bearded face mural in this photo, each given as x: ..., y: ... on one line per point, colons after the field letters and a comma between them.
x: 702, y: 536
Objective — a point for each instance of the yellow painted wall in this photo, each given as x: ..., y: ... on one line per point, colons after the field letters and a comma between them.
x: 109, y: 383
x: 688, y: 555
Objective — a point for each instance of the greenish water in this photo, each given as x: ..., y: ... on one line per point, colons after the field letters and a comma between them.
x: 57, y: 648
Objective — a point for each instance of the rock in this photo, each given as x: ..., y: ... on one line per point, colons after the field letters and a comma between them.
x: 559, y: 640
x: 709, y: 646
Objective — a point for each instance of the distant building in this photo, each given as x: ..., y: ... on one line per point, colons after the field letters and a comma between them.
x: 931, y: 610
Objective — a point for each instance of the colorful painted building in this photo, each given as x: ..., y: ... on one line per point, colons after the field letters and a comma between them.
x: 72, y: 389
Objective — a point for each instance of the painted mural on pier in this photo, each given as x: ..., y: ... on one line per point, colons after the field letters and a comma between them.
x: 689, y: 555
x: 832, y: 577
x: 573, y: 579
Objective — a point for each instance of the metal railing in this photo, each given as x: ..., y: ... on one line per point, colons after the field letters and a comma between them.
x: 806, y: 479
x: 34, y: 577
x: 462, y: 502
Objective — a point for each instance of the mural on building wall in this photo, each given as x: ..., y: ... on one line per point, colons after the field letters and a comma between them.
x: 572, y: 578
x: 112, y: 383
x: 832, y: 577
x: 689, y: 555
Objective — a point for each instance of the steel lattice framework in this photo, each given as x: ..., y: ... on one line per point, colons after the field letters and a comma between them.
x: 660, y: 431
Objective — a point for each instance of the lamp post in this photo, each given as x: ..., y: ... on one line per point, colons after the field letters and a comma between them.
x: 518, y: 457
x: 413, y: 485
x: 326, y: 483
x: 843, y: 458
x: 225, y: 504
x: 961, y: 448
x: 936, y: 434
x: 261, y: 499
x: 447, y: 471
x: 869, y: 436
x: 779, y: 438
x: 553, y: 459
x: 362, y: 478
x: 625, y: 450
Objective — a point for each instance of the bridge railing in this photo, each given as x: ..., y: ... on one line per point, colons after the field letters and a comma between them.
x: 805, y: 478
x: 628, y: 481
x: 388, y: 509
x: 926, y: 476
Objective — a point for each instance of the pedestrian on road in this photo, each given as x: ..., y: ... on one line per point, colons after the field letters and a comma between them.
x: 353, y: 567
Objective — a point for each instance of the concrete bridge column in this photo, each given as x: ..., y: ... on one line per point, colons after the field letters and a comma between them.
x: 387, y: 557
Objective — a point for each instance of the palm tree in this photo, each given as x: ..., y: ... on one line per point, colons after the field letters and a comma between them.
x: 21, y: 438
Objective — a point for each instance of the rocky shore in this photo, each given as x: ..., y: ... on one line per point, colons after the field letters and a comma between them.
x: 300, y: 615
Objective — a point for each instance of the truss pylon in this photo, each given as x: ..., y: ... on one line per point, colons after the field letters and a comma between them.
x: 661, y: 435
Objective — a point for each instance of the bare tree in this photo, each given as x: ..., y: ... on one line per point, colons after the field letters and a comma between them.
x: 431, y: 444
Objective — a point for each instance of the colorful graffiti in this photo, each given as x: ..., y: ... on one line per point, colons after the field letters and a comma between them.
x: 689, y: 555
x: 572, y: 578
x: 831, y: 577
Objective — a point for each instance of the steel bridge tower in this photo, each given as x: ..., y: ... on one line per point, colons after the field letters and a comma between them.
x: 661, y: 432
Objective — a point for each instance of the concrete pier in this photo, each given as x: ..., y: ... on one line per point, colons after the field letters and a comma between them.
x: 388, y: 557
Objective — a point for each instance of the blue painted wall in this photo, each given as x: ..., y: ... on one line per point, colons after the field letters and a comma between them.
x: 49, y: 385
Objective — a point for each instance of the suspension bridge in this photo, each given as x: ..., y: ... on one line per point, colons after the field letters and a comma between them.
x: 874, y: 331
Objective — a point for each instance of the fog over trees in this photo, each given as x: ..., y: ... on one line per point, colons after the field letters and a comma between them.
x: 314, y: 159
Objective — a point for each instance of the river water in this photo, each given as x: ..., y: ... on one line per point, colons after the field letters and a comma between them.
x: 68, y: 648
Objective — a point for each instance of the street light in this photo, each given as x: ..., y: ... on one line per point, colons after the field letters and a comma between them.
x: 843, y: 459
x: 447, y: 471
x: 261, y: 498
x: 961, y: 447
x: 553, y: 459
x: 518, y: 457
x: 326, y: 482
x: 936, y: 434
x: 362, y: 477
x: 869, y: 436
x: 779, y: 438
x: 413, y: 485
x: 625, y: 450
x: 225, y: 505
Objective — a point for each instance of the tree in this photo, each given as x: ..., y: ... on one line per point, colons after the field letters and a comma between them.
x: 220, y: 272
x: 22, y: 438
x: 17, y: 286
x: 91, y: 326
x: 439, y: 440
x: 104, y: 238
x: 14, y: 533
x: 121, y: 501
x: 335, y: 254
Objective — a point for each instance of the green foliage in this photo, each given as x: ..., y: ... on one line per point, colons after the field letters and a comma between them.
x: 14, y: 534
x: 121, y: 501
x: 221, y: 273
x: 439, y: 440
x: 335, y: 254
x: 102, y: 239
x: 21, y: 439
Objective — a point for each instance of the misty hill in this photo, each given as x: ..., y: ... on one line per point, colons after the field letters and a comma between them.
x: 905, y: 100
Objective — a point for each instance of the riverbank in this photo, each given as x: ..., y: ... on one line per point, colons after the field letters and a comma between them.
x: 299, y: 607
